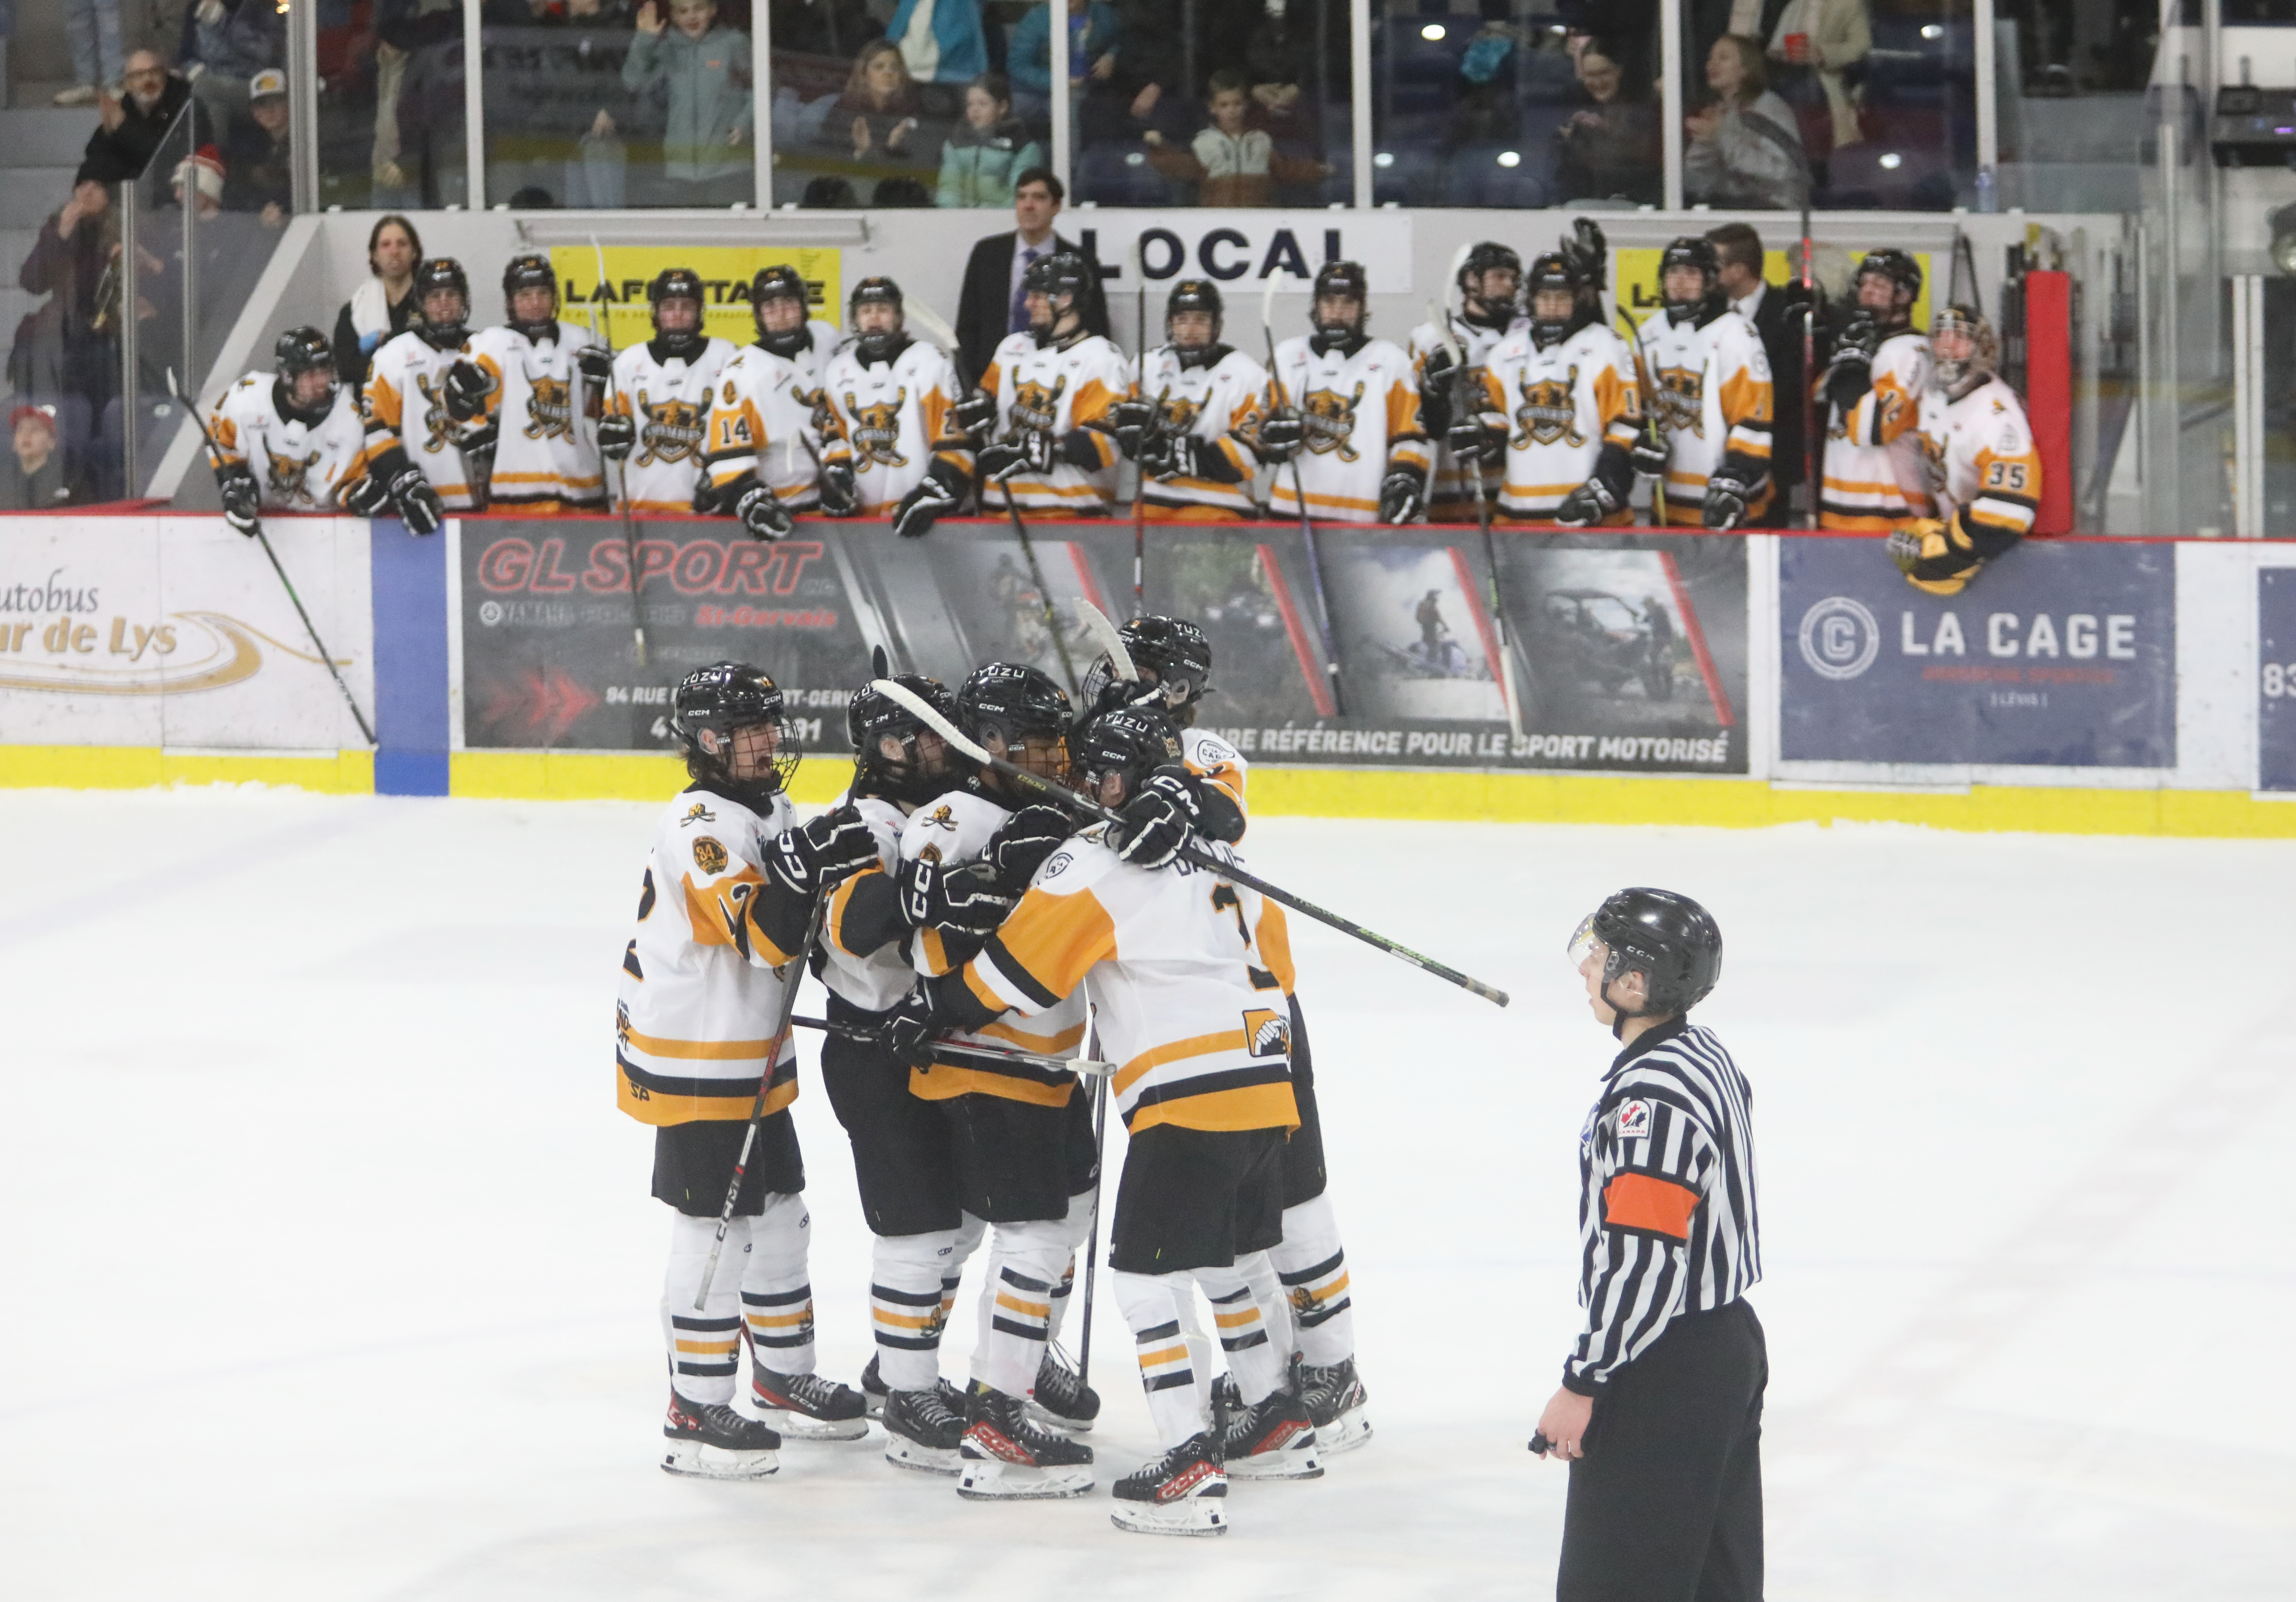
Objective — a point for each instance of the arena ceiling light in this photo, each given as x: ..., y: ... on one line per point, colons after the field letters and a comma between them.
x: 1892, y: 160
x: 1433, y: 32
x: 1509, y: 158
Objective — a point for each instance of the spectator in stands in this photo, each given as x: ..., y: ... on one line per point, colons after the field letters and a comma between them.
x: 33, y: 475
x: 1231, y: 164
x: 1745, y: 148
x: 992, y: 305
x: 380, y: 309
x: 1775, y: 311
x: 1610, y: 146
x: 70, y: 347
x: 989, y: 148
x: 876, y: 116
x: 258, y: 171
x: 699, y: 73
x: 224, y: 43
x: 942, y: 47
x: 1814, y: 47
x: 409, y: 33
x: 92, y: 29
x: 135, y: 123
x: 1094, y: 31
x: 1279, y: 57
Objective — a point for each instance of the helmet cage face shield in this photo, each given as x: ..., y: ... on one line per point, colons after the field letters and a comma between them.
x: 764, y: 753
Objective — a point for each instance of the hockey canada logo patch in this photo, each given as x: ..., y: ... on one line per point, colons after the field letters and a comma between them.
x: 1549, y: 412
x: 1634, y: 1121
x: 876, y: 432
x: 1266, y: 1034
x: 1329, y: 421
x: 708, y: 856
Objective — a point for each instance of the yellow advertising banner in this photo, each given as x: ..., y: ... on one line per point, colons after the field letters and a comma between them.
x: 1638, y: 277
x: 726, y: 272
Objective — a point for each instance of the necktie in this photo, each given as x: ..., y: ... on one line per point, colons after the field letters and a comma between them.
x: 1018, y: 322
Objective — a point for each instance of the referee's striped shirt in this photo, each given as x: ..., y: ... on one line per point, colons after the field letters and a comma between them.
x: 1666, y: 1210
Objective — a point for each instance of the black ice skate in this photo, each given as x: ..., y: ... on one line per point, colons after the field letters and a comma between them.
x: 873, y: 1390
x: 1183, y: 1492
x: 1006, y: 1454
x: 1063, y: 1400
x: 922, y: 1430
x: 1336, y: 1400
x: 1274, y: 1440
x: 710, y: 1440
x: 805, y: 1407
x: 1228, y: 1400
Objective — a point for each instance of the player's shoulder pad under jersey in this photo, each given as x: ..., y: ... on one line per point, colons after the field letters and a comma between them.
x: 1081, y: 862
x: 957, y: 826
x: 1205, y: 748
x: 887, y: 822
x: 732, y: 823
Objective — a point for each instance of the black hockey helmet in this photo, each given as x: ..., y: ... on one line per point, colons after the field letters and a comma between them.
x: 529, y: 270
x: 431, y: 277
x: 882, y: 345
x: 1130, y: 743
x: 1193, y: 294
x: 1176, y: 652
x: 712, y: 705
x: 1023, y: 708
x: 1668, y: 938
x: 1488, y: 256
x: 872, y: 716
x: 1695, y: 253
x: 781, y: 281
x: 1905, y: 276
x: 1554, y: 272
x: 678, y: 283
x: 1339, y: 278
x: 1063, y: 273
x: 298, y: 351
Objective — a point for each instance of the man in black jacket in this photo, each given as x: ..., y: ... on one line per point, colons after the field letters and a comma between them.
x: 135, y: 123
x: 1775, y: 311
x: 992, y: 305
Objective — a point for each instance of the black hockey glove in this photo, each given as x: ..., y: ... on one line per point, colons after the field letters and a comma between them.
x: 1850, y: 373
x: 965, y: 897
x: 365, y: 495
x: 1402, y: 495
x: 935, y: 497
x: 822, y: 854
x: 596, y: 364
x: 1474, y: 439
x: 1435, y: 374
x: 467, y: 388
x: 242, y: 496
x: 1649, y: 451
x: 1168, y: 457
x: 1156, y: 823
x: 1024, y: 840
x: 841, y: 490
x: 1029, y: 451
x: 1280, y: 435
x: 419, y: 505
x: 1586, y: 251
x: 719, y: 500
x: 1586, y: 505
x: 762, y: 514
x: 1725, y: 506
x: 1128, y: 420
x: 616, y: 436
x: 916, y: 1025
x: 975, y: 413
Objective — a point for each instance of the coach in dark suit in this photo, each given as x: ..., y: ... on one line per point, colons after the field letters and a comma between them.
x: 1776, y: 313
x: 991, y: 306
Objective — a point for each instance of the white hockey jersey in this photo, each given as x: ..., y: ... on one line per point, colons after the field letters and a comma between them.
x: 1451, y: 488
x: 699, y: 992
x: 1219, y: 402
x: 669, y: 397
x: 406, y: 405
x: 1184, y: 1001
x: 768, y: 419
x: 957, y: 828
x: 1057, y: 390
x: 298, y: 466
x: 873, y: 980
x: 1874, y: 475
x: 891, y: 419
x: 1361, y: 418
x: 1983, y: 462
x: 1710, y: 394
x: 1214, y: 761
x: 1560, y: 406
x: 546, y: 451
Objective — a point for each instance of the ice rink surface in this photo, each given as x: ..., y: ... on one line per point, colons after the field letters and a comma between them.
x: 330, y: 1272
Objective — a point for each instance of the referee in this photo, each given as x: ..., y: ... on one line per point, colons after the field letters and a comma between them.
x: 1661, y: 1410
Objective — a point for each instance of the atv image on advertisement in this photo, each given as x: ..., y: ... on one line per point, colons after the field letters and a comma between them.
x: 1591, y: 636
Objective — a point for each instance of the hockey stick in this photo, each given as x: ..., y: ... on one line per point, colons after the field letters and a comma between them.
x: 1483, y: 519
x: 1810, y: 434
x: 1092, y: 1233
x: 1140, y: 479
x: 1650, y: 419
x: 1035, y: 569
x: 795, y: 971
x: 1110, y: 638
x: 996, y: 1056
x: 1193, y: 850
x: 1307, y: 523
x: 327, y: 658
x: 925, y: 318
x: 629, y: 513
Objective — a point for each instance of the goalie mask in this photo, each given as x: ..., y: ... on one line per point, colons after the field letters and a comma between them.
x: 1690, y: 254
x: 730, y: 719
x: 298, y: 353
x: 1964, y: 348
x: 1193, y: 295
x: 922, y: 771
x: 675, y: 298
x: 530, y: 271
x: 1336, y: 329
x: 1668, y: 939
x: 778, y: 303
x: 875, y: 345
x: 444, y: 327
x: 1491, y: 305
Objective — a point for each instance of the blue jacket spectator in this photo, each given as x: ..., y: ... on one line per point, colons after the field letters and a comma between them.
x: 1094, y: 31
x: 951, y: 49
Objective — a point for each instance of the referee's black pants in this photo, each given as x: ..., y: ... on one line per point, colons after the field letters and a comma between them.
x: 1667, y: 1504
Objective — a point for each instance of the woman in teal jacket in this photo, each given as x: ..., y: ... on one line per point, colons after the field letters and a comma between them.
x: 989, y: 149
x: 702, y: 71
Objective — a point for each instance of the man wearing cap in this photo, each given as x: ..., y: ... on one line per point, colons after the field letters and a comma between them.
x: 33, y: 477
x: 258, y: 174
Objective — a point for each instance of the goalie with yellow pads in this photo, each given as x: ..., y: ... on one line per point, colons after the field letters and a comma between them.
x: 1982, y: 461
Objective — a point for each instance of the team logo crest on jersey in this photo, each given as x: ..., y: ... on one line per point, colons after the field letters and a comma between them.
x: 287, y: 473
x: 1037, y: 407
x: 1329, y: 422
x: 942, y: 817
x: 1180, y: 414
x: 697, y: 813
x: 1679, y: 399
x: 437, y: 426
x: 708, y: 856
x: 549, y: 409
x: 1549, y: 412
x: 1266, y: 1034
x: 673, y: 433
x: 876, y: 431
x: 1634, y: 1121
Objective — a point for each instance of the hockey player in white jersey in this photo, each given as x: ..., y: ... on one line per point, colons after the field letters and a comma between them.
x: 1194, y: 415
x: 769, y: 418
x: 289, y: 440
x: 1874, y: 477
x: 1709, y: 393
x: 1490, y: 309
x: 545, y: 388
x: 1985, y: 467
x: 701, y: 981
x: 1053, y: 389
x: 1345, y: 415
x: 657, y: 422
x: 895, y: 449
x: 423, y: 405
x: 1559, y: 399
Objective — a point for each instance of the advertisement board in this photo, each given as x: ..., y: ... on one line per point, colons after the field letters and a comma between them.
x: 625, y: 317
x: 175, y: 632
x: 1631, y: 650
x: 1243, y: 250
x: 2275, y: 678
x: 2057, y: 655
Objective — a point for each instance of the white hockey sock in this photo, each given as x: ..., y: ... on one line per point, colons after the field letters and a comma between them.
x: 1016, y: 1308
x: 776, y: 1291
x: 1075, y: 1226
x: 1314, y: 1270
x: 970, y: 1232
x: 1160, y: 1309
x: 908, y: 1278
x: 1254, y: 1360
x: 704, y: 1347
x: 1268, y: 1294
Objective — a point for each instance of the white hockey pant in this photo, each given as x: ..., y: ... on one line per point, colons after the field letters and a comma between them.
x: 761, y: 1283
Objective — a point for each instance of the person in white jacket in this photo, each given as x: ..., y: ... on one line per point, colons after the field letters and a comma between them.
x: 1745, y: 148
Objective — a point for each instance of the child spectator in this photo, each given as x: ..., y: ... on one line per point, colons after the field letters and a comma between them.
x: 701, y: 72
x: 32, y: 476
x: 989, y: 150
x: 1231, y: 164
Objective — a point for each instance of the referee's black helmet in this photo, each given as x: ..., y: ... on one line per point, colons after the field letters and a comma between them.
x: 1668, y: 938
